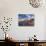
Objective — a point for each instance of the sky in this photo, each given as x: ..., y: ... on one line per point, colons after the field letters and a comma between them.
x: 24, y: 16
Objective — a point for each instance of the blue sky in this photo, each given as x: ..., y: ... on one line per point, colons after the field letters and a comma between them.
x: 22, y: 16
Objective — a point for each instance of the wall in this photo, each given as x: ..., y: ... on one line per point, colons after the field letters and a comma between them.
x: 11, y: 8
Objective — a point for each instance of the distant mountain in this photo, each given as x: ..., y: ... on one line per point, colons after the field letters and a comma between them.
x: 23, y: 17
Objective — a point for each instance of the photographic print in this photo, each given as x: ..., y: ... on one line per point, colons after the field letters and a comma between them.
x: 25, y: 20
